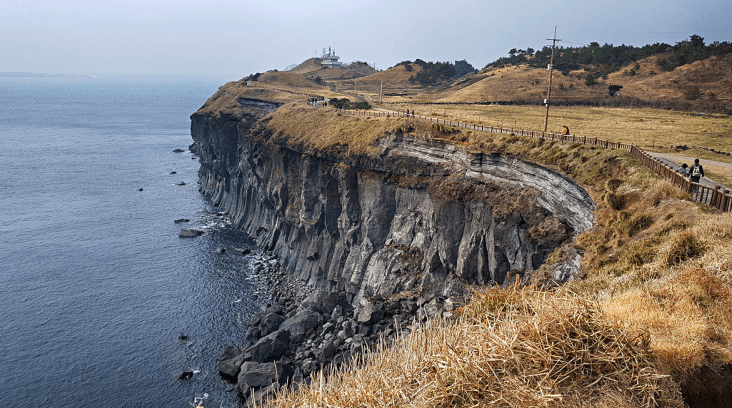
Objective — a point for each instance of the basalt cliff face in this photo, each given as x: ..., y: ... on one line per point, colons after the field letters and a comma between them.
x: 420, y: 216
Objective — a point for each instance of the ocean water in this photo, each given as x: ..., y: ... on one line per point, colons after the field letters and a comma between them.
x: 101, y: 304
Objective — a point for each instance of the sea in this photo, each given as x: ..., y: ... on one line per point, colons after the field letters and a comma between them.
x: 101, y: 303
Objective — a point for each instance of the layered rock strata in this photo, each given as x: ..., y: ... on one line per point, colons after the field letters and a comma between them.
x: 420, y: 215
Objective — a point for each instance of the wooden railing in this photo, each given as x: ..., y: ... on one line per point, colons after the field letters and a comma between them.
x: 714, y: 196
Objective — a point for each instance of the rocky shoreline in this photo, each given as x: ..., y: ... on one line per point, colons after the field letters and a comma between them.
x: 301, y: 331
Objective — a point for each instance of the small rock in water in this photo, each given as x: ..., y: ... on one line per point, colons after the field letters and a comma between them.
x: 183, y: 337
x: 180, y: 220
x: 190, y: 233
x: 180, y: 184
x: 185, y: 375
x: 173, y: 172
x: 178, y: 151
x: 220, y: 250
x: 139, y: 189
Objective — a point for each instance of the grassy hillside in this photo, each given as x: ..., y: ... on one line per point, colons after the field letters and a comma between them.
x: 703, y: 85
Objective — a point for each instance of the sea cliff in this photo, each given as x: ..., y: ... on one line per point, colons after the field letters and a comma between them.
x: 419, y: 215
x: 403, y: 231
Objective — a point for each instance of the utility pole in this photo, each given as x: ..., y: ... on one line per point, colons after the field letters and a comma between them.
x: 551, y: 70
x: 381, y: 91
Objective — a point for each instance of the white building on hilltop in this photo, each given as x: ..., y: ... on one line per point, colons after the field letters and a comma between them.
x: 330, y: 59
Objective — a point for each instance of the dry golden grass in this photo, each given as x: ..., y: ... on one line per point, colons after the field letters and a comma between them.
x: 672, y: 280
x: 507, y: 348
x: 321, y: 128
x: 649, y: 129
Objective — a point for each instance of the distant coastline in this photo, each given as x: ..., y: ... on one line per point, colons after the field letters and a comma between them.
x: 36, y: 75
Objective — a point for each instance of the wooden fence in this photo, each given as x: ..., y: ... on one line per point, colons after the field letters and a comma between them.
x: 713, y: 196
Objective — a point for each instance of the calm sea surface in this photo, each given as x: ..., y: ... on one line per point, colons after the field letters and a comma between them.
x: 96, y: 288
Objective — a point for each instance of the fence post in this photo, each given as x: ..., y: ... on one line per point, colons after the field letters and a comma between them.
x: 716, y: 197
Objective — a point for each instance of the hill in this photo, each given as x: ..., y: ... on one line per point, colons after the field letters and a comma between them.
x: 701, y: 85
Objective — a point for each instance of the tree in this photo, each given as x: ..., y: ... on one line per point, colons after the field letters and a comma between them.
x: 696, y: 40
x: 530, y: 51
x: 463, y: 67
x: 512, y: 52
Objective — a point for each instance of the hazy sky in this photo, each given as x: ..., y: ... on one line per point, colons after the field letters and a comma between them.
x: 230, y: 39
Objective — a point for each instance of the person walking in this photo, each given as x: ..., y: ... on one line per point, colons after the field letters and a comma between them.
x: 696, y: 172
x: 684, y: 170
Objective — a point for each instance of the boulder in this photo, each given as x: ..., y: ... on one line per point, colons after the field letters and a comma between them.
x: 230, y: 361
x: 324, y: 301
x: 254, y: 375
x: 270, y: 347
x: 190, y: 233
x: 270, y: 322
x: 301, y: 323
x: 276, y: 309
x: 370, y: 313
x: 325, y: 353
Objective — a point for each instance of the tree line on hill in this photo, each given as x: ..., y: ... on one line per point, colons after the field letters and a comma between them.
x: 434, y: 72
x: 613, y: 58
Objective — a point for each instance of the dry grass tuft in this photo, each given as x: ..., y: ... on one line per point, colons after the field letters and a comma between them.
x: 687, y: 315
x: 508, y: 348
x: 615, y: 201
x: 680, y: 248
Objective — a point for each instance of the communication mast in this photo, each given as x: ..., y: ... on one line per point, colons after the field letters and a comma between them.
x: 551, y: 70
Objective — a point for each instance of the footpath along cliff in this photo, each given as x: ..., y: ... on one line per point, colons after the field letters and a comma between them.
x: 403, y: 230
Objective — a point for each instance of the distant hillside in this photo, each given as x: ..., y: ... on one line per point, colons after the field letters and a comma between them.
x: 687, y: 76
x: 702, y: 85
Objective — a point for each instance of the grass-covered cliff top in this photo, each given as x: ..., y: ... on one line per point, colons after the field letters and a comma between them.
x: 656, y: 276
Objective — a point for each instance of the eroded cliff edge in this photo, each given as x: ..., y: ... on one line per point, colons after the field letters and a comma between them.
x: 419, y: 215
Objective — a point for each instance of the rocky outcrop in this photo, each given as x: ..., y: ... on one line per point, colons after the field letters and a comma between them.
x: 420, y: 215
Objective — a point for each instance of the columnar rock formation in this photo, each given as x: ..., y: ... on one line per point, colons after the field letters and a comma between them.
x: 420, y: 215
